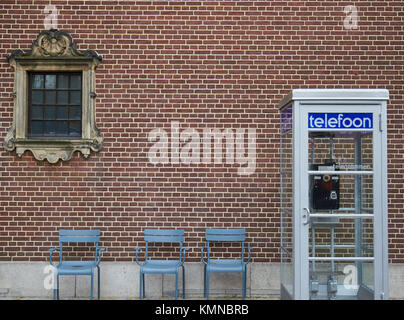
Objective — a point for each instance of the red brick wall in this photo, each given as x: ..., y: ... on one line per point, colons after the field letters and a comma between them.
x: 206, y: 64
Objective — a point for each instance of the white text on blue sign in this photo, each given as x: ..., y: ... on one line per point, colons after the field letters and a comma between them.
x: 340, y: 121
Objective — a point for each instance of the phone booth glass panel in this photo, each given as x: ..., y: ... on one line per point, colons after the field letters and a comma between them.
x: 334, y: 194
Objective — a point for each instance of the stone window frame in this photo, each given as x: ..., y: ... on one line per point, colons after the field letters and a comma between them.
x: 53, y: 51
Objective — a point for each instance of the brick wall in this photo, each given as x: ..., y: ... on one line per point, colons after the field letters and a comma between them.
x: 206, y: 64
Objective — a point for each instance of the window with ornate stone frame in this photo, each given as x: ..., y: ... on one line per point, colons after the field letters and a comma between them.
x: 53, y: 52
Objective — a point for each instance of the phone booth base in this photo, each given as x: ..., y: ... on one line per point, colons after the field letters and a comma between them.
x: 334, y: 242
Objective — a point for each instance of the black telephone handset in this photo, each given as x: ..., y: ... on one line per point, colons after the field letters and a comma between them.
x: 325, y: 187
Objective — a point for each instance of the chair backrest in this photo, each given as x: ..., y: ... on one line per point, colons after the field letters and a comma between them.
x: 163, y: 235
x: 79, y: 236
x: 225, y: 235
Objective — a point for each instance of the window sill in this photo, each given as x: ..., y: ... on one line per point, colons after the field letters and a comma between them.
x: 54, y: 150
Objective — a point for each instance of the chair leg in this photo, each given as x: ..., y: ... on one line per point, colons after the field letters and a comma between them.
x: 141, y: 286
x: 92, y: 286
x: 56, y: 287
x: 207, y: 285
x: 183, y: 282
x: 176, y: 285
x: 204, y: 280
x: 144, y: 285
x: 243, y: 285
x: 98, y: 280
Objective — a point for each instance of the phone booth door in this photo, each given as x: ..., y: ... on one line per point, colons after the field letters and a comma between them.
x: 338, y: 184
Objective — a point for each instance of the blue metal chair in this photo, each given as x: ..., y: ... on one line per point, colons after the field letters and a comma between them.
x: 77, y: 267
x: 154, y: 266
x: 225, y: 265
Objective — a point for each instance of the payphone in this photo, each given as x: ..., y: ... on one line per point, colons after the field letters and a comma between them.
x: 324, y: 187
x: 325, y: 191
x: 334, y: 194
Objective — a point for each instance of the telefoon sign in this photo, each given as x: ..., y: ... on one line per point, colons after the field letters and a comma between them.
x: 340, y: 121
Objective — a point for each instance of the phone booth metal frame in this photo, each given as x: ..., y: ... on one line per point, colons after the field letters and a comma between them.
x: 334, y: 237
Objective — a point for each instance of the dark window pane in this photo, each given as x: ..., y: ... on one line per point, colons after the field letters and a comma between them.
x: 75, y: 97
x: 55, y: 104
x: 61, y: 127
x: 49, y: 127
x: 62, y: 97
x: 75, y: 113
x: 36, y: 127
x: 75, y: 82
x: 37, y: 82
x: 37, y: 113
x: 75, y: 128
x: 50, y: 113
x: 61, y: 113
x: 63, y: 81
x: 50, y: 97
x: 37, y: 97
x: 50, y: 81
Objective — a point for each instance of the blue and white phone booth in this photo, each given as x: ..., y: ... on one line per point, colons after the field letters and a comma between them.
x: 334, y: 242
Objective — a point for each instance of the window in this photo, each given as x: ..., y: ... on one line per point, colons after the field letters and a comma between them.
x: 54, y: 103
x: 54, y: 99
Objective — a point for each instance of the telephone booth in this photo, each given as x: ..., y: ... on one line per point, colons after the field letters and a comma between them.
x: 334, y: 242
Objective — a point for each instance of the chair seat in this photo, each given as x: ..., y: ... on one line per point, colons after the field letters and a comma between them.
x: 76, y: 267
x: 160, y: 266
x: 225, y: 265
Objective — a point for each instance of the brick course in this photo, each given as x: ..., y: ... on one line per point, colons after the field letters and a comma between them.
x: 205, y: 64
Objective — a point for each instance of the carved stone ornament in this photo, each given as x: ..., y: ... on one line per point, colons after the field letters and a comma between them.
x: 53, y: 51
x: 54, y: 43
